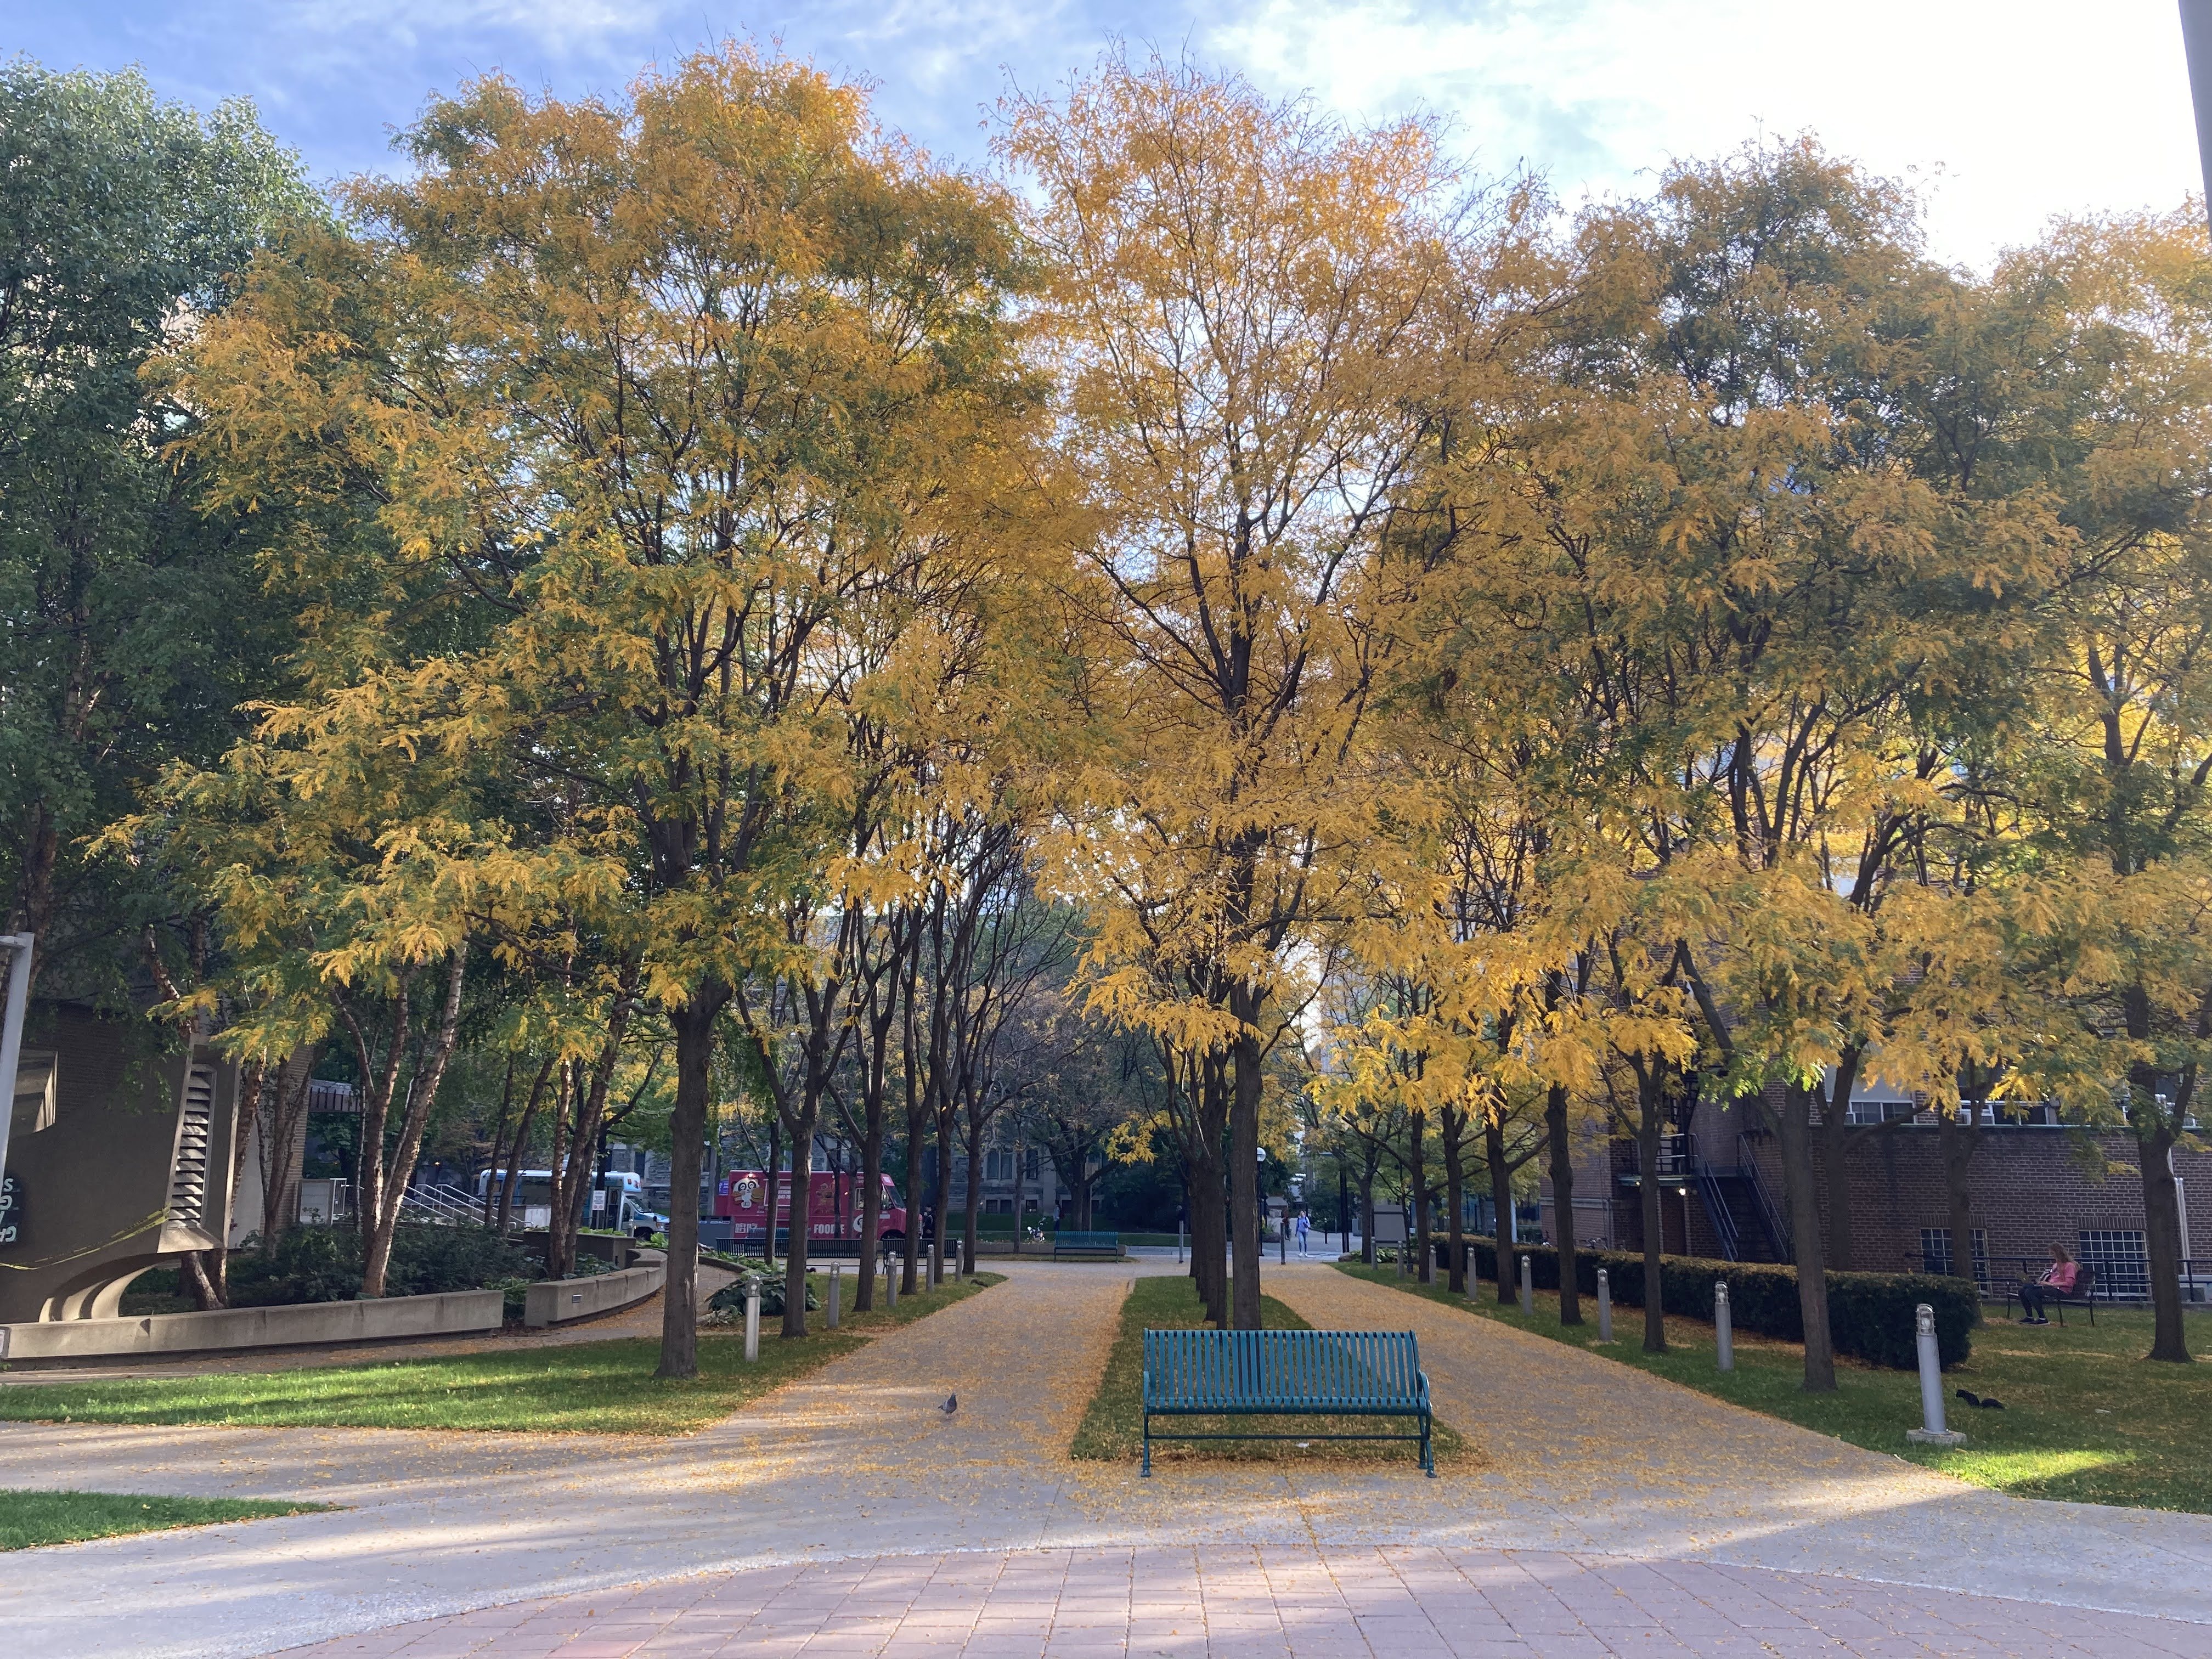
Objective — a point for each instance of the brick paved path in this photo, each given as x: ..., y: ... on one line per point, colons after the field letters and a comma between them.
x: 1296, y: 1603
x: 1578, y: 1466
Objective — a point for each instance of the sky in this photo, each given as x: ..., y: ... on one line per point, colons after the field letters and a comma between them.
x: 2004, y: 112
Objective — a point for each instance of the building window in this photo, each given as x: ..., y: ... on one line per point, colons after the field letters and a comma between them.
x: 1877, y: 1111
x: 2122, y: 1264
x: 1029, y: 1164
x: 1936, y: 1252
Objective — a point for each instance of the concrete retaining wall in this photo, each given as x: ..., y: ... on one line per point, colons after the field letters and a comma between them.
x: 561, y: 1301
x: 454, y: 1313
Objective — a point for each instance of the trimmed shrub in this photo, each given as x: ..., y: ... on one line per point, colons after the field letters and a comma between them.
x: 1870, y: 1316
x: 323, y: 1264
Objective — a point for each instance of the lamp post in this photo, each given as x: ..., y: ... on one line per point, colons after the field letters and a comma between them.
x: 2197, y: 43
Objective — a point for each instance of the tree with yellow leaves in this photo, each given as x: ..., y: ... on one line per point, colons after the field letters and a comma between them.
x: 650, y: 399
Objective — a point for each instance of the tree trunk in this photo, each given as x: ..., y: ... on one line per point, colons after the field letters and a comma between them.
x: 2162, y: 1242
x: 511, y: 1177
x: 942, y: 1199
x: 1835, y: 1170
x: 694, y: 1026
x: 376, y: 1253
x: 1501, y: 1198
x: 916, y: 1146
x: 1244, y: 1162
x: 974, y: 1206
x: 1805, y: 1235
x: 1416, y: 1167
x: 802, y: 1215
x: 498, y: 1135
x: 1563, y: 1202
x: 244, y: 1114
x: 1955, y: 1144
x: 1367, y: 1214
x: 1452, y: 1126
x: 1651, y: 1101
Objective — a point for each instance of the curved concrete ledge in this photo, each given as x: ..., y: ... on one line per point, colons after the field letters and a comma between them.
x: 563, y: 1301
x: 450, y: 1314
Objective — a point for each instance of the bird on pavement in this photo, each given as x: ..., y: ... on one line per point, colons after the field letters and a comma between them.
x: 951, y: 1404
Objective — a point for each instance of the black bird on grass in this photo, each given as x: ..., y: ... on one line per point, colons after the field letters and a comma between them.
x: 951, y: 1404
x: 1987, y: 1404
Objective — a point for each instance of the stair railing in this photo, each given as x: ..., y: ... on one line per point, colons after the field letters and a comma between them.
x: 1769, y: 1217
x: 1715, y: 1203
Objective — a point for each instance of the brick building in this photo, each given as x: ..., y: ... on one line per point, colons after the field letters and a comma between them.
x: 2034, y: 1184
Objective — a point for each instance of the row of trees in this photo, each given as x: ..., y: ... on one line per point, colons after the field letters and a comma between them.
x: 749, y: 590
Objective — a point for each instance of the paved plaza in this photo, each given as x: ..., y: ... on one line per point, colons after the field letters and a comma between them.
x: 1599, y: 1511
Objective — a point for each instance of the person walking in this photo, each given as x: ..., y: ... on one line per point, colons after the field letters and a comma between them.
x: 1305, y: 1226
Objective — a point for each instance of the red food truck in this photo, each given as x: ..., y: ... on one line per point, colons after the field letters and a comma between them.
x: 833, y: 1208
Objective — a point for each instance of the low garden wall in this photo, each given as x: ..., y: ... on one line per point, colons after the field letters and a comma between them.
x: 450, y: 1313
x: 563, y: 1301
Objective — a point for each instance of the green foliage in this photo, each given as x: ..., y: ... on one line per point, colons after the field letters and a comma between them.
x: 28, y: 1519
x: 133, y: 625
x: 1870, y: 1316
x: 323, y: 1264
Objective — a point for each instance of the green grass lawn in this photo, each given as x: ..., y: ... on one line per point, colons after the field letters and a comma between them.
x: 30, y: 1519
x: 1113, y: 1427
x: 585, y: 1388
x: 2086, y: 1418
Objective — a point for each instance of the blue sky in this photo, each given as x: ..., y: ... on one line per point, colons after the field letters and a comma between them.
x: 2008, y: 111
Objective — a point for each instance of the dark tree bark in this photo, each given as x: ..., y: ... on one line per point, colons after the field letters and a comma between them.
x: 1244, y: 1160
x: 1451, y: 1132
x: 694, y: 1026
x: 1563, y: 1202
x: 1416, y: 1138
x: 1501, y: 1198
x: 1835, y: 1168
x: 1805, y: 1237
x: 1650, y: 1107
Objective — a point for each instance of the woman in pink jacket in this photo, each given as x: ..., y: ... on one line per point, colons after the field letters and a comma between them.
x: 2058, y: 1279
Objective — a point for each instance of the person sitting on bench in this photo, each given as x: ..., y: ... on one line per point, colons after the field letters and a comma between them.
x: 2057, y: 1281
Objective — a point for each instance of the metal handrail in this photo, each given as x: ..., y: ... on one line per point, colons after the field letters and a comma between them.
x: 1716, y: 1206
x: 1769, y: 1217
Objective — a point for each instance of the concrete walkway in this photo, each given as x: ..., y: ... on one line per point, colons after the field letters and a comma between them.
x: 1579, y: 1465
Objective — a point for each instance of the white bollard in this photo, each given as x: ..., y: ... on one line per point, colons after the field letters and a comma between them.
x: 1723, y: 1327
x: 752, y: 1322
x: 1604, y: 1306
x: 1527, y: 1290
x: 834, y: 1271
x: 1933, y: 1430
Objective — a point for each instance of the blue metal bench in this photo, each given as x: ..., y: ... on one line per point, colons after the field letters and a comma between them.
x: 1208, y: 1373
x: 1088, y: 1246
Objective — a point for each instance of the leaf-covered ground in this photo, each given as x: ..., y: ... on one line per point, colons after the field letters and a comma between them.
x: 1113, y: 1427
x: 30, y: 1519
x: 589, y: 1387
x: 2085, y: 1418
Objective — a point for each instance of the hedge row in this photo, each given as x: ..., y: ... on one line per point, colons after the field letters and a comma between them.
x: 1870, y: 1316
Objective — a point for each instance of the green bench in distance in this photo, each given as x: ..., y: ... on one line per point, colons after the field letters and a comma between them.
x: 1286, y: 1374
x: 1086, y: 1247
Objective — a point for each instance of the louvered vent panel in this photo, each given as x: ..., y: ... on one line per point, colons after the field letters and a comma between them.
x: 188, y: 1177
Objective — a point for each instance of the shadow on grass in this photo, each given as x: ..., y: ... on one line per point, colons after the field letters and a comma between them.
x: 1113, y: 1427
x: 2085, y: 1418
x: 586, y: 1388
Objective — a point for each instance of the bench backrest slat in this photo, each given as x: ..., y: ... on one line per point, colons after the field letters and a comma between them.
x: 1069, y: 1240
x: 1240, y: 1369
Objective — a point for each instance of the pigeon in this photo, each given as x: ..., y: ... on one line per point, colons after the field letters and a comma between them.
x: 951, y: 1404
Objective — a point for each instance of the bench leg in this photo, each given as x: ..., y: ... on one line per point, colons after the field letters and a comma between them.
x: 1147, y: 1473
x: 1428, y: 1449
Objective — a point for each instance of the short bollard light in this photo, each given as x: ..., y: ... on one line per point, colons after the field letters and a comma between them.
x: 1527, y: 1289
x: 834, y: 1270
x: 1932, y: 1430
x: 1604, y: 1305
x: 890, y: 1285
x: 1724, y: 1329
x: 753, y: 1321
